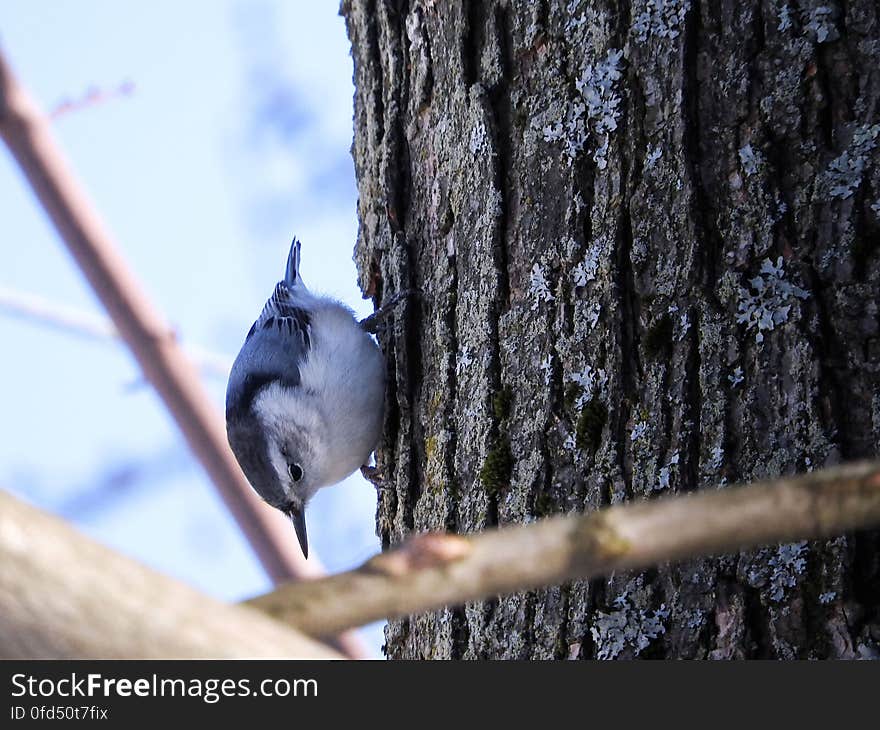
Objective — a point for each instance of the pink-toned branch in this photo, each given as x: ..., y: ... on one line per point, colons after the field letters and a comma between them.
x: 26, y: 131
x: 93, y: 96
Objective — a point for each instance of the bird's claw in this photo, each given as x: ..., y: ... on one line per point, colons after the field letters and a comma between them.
x: 375, y: 477
x: 373, y: 323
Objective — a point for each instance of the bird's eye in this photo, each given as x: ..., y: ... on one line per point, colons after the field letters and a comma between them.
x: 295, y: 471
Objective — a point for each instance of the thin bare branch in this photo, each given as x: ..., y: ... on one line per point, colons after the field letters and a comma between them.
x: 93, y: 96
x: 435, y: 570
x: 26, y: 131
x: 67, y: 319
x: 63, y: 595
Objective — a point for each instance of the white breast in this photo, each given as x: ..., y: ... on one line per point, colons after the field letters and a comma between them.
x: 346, y: 372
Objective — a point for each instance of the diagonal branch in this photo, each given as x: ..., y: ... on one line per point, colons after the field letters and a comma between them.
x: 435, y: 570
x: 26, y: 132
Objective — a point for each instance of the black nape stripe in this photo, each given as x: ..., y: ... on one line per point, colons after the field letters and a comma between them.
x: 252, y: 385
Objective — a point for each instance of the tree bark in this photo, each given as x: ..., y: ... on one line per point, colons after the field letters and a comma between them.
x: 645, y: 237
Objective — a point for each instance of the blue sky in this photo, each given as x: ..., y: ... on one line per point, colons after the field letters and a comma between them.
x: 235, y: 138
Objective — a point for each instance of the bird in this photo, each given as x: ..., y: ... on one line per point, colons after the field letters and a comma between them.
x: 305, y: 397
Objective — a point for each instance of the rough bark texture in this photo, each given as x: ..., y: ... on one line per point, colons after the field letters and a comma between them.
x: 646, y: 240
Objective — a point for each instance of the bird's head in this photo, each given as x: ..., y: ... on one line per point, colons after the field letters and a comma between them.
x: 277, y: 439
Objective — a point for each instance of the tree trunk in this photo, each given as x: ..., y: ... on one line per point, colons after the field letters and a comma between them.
x: 645, y: 238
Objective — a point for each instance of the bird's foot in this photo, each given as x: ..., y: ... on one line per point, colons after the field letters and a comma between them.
x: 375, y: 477
x: 373, y: 323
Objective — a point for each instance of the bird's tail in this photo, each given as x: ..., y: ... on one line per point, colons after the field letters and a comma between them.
x: 291, y: 273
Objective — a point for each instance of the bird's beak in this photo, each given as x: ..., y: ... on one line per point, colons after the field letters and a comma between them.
x: 298, y: 517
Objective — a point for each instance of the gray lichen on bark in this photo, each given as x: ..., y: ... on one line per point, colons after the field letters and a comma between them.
x: 645, y: 239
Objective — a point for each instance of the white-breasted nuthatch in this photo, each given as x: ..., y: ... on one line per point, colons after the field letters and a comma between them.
x: 305, y: 399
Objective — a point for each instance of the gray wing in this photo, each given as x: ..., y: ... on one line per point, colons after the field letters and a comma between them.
x: 275, y: 347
